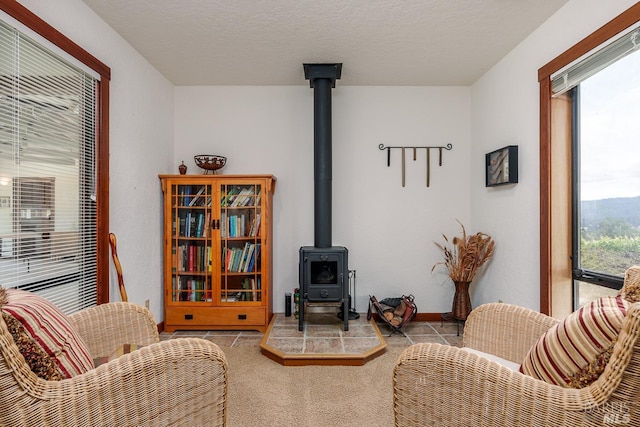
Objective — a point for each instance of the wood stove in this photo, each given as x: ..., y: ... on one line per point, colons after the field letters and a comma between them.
x: 324, y: 276
x: 323, y: 268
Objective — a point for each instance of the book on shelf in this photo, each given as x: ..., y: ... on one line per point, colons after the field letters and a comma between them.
x: 198, y: 285
x: 241, y: 260
x: 239, y: 196
x: 237, y: 225
x: 191, y: 258
x: 232, y: 225
x: 240, y: 226
x: 230, y: 259
x: 180, y: 257
x: 187, y: 225
x: 193, y: 225
x: 181, y: 221
x: 251, y: 198
x: 207, y: 225
x: 231, y: 296
x: 253, y: 262
x: 198, y: 199
x: 259, y: 288
x: 180, y: 197
x: 237, y: 259
x: 184, y: 289
x: 247, y: 259
x: 230, y: 195
x: 248, y: 289
x: 200, y: 225
x: 191, y: 289
x: 254, y: 294
x: 174, y: 259
x: 186, y: 195
x: 255, y: 226
x: 242, y: 196
x: 202, y: 258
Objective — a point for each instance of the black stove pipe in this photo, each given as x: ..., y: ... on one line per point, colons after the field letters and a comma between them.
x: 322, y: 165
x: 322, y: 78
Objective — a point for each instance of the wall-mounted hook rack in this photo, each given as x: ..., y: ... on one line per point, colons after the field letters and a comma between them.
x: 447, y: 147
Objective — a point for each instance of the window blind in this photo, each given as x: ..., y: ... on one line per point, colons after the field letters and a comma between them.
x: 48, y: 160
x: 596, y: 60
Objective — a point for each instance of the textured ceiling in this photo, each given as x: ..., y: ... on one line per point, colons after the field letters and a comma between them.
x: 379, y: 42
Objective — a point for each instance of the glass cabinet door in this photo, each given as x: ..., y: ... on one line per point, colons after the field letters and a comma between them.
x: 192, y: 255
x: 240, y: 243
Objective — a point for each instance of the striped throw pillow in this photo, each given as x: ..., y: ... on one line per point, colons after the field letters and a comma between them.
x: 51, y: 330
x: 574, y: 352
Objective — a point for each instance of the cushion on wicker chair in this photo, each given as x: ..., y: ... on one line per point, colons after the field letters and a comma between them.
x: 50, y: 329
x: 122, y: 350
x: 575, y: 351
x: 513, y: 366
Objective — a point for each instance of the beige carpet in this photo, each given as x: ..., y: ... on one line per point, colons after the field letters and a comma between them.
x: 265, y: 393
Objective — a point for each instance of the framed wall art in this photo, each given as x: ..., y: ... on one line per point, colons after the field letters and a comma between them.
x: 5, y: 201
x: 502, y: 166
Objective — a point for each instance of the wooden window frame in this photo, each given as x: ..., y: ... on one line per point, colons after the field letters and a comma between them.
x: 556, y: 295
x: 36, y: 24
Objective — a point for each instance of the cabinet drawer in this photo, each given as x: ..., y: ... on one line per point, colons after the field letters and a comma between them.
x: 223, y: 316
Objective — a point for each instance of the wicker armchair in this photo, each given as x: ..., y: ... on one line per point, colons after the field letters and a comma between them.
x: 438, y: 385
x: 180, y: 382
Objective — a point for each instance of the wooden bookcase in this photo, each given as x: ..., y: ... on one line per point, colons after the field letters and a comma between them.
x: 217, y: 251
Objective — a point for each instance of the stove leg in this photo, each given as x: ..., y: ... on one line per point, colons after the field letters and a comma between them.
x: 345, y: 313
x: 345, y: 301
x: 301, y: 313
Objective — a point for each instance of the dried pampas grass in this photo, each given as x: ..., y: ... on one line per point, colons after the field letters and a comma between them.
x: 466, y: 255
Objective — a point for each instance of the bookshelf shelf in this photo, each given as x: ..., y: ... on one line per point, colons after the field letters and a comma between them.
x: 217, y: 251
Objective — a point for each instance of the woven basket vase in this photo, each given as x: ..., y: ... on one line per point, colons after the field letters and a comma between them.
x: 461, y: 301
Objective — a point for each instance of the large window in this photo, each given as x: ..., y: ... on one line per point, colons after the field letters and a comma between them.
x: 588, y: 178
x: 606, y: 175
x: 52, y: 166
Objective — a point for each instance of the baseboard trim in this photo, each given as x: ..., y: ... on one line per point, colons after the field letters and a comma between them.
x: 428, y: 317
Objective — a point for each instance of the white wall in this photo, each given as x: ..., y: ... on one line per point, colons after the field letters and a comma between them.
x: 141, y: 140
x: 389, y: 230
x: 505, y: 110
